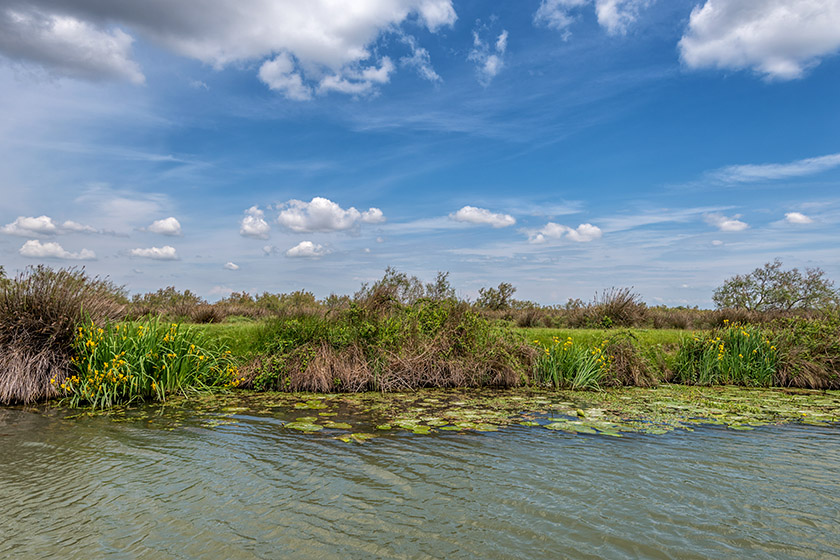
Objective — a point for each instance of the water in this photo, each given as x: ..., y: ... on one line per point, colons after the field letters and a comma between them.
x: 94, y: 488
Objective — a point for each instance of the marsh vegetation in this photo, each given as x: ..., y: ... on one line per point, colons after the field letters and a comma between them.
x: 65, y: 334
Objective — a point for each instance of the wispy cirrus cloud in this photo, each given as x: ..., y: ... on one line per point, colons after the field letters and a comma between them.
x: 749, y: 173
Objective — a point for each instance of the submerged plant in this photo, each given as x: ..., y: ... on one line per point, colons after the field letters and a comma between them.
x: 124, y: 362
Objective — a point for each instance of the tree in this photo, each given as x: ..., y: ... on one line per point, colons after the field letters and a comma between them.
x: 496, y: 298
x: 770, y: 287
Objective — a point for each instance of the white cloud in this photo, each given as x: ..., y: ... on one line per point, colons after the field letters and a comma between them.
x: 76, y: 227
x: 231, y: 266
x: 614, y: 15
x: 28, y: 227
x: 279, y: 74
x: 771, y: 171
x: 373, y: 216
x: 717, y: 242
x: 473, y: 215
x: 488, y: 60
x: 66, y: 46
x: 307, y: 249
x: 617, y: 15
x: 323, y: 38
x: 322, y: 214
x: 779, y: 39
x: 419, y: 60
x: 797, y: 218
x: 726, y: 224
x: 44, y: 226
x: 165, y: 253
x: 254, y: 224
x: 358, y: 82
x: 51, y: 250
x: 167, y: 226
x: 584, y: 233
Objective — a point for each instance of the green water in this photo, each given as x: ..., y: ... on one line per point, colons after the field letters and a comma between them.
x: 185, y: 484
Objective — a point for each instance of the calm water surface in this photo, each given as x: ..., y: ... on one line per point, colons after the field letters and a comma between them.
x: 94, y: 488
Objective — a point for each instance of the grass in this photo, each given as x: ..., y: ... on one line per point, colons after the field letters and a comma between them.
x: 646, y: 337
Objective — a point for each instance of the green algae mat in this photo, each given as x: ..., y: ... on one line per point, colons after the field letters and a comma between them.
x: 360, y: 417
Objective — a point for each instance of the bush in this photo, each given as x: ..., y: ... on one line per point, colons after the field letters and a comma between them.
x: 121, y: 363
x: 389, y: 348
x: 39, y: 312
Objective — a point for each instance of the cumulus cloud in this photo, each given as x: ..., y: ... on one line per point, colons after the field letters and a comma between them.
x: 307, y: 249
x: 797, y: 218
x: 167, y: 226
x: 322, y: 214
x: 51, y: 250
x: 488, y: 59
x: 473, y: 215
x: 778, y: 39
x: 231, y: 266
x: 584, y: 233
x: 165, y: 253
x: 254, y: 224
x: 43, y: 226
x: 297, y: 43
x: 66, y: 45
x: 773, y: 171
x: 726, y: 224
x: 280, y: 74
x: 26, y: 226
x: 613, y: 15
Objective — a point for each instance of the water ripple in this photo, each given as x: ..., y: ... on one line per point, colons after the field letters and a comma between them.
x: 94, y: 488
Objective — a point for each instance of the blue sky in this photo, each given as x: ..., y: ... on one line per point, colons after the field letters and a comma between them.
x: 564, y: 146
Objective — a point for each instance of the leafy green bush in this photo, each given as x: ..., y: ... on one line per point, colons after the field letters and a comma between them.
x: 384, y: 345
x: 124, y: 362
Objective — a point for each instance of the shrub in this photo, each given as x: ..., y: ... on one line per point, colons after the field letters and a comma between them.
x: 620, y: 307
x: 121, y: 363
x: 39, y: 312
x: 396, y: 347
x: 809, y: 351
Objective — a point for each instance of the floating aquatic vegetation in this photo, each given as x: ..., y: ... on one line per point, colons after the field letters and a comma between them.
x: 614, y: 412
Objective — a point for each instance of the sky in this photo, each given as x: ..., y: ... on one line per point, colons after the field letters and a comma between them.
x: 564, y: 146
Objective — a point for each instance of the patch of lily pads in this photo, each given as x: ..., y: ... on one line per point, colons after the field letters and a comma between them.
x: 357, y: 418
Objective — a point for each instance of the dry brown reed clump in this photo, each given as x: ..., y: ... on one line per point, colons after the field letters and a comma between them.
x: 628, y: 367
x: 39, y: 312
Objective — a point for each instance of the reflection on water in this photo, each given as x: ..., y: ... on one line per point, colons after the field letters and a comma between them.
x: 92, y: 488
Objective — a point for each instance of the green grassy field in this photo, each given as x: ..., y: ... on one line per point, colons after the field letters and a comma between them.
x: 242, y: 336
x: 646, y: 337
